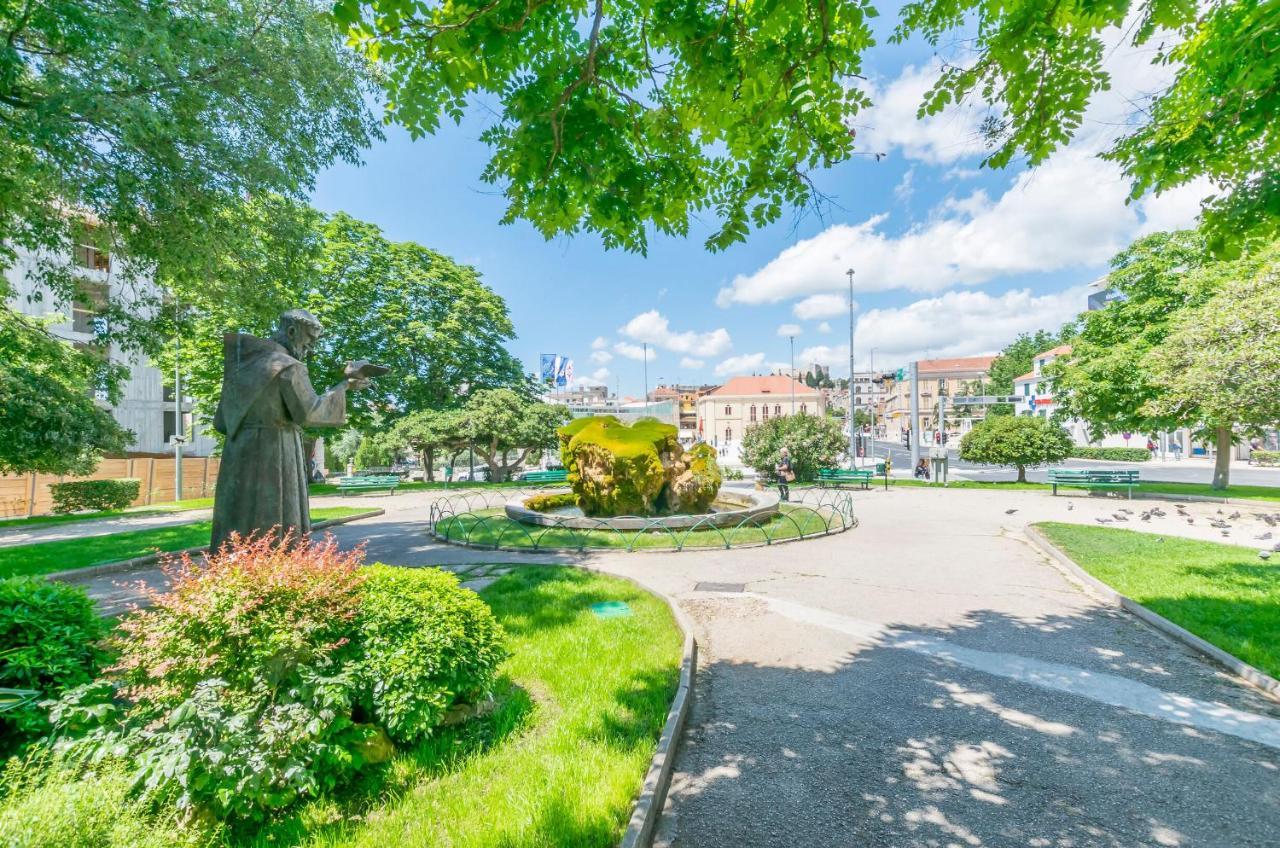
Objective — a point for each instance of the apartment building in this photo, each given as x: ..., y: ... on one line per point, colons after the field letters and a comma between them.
x: 725, y: 413
x: 146, y: 404
x: 937, y: 378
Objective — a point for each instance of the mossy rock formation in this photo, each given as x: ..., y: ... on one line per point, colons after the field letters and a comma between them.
x: 615, y: 469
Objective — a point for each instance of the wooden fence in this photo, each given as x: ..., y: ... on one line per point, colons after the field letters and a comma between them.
x: 28, y: 494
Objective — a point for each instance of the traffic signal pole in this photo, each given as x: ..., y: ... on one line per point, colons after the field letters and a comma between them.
x: 913, y: 426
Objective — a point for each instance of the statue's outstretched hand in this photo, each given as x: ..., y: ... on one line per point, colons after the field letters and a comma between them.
x: 360, y: 372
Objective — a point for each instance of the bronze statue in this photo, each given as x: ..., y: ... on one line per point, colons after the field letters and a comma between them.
x: 266, y: 400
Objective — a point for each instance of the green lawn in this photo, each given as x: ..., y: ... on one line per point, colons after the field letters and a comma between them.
x: 151, y: 509
x: 583, y: 701
x: 62, y: 555
x: 1224, y: 594
x: 1265, y: 493
x: 332, y: 489
x: 491, y: 526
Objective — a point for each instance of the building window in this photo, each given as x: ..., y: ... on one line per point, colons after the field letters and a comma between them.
x: 804, y: 409
x: 1026, y: 390
x: 728, y: 434
x: 170, y: 425
x: 777, y: 409
x: 764, y: 410
x: 728, y: 410
x: 753, y: 413
x: 85, y: 310
x: 88, y: 256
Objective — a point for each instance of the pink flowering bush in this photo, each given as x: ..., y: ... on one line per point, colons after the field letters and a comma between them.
x: 275, y: 671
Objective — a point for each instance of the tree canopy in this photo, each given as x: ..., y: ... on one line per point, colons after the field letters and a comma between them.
x: 150, y: 120
x: 635, y: 115
x: 49, y: 421
x: 1017, y: 441
x: 814, y: 442
x: 433, y: 321
x: 500, y: 422
x: 1018, y: 358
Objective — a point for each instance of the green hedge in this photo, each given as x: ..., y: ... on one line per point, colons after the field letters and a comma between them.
x: 546, y: 503
x: 1112, y: 454
x: 94, y: 495
x: 1262, y: 457
x: 49, y: 634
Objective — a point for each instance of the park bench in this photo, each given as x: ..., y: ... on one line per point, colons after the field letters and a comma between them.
x: 368, y: 483
x: 1094, y: 478
x: 556, y: 476
x: 837, y: 477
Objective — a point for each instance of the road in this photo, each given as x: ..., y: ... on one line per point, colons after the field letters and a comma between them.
x: 1185, y: 471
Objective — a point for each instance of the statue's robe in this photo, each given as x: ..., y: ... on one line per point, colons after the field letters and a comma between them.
x: 267, y: 399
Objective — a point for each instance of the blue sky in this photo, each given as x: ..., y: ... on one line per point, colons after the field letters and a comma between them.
x: 950, y: 260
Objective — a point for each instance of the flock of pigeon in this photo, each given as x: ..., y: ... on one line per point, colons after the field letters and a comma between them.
x: 1221, y: 522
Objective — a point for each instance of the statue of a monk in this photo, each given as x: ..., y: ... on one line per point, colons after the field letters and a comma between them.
x: 267, y: 399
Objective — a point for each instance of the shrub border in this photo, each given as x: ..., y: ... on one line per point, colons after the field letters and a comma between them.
x: 152, y: 559
x: 1103, y: 592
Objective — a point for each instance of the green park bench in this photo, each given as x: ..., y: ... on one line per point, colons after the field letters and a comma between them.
x: 837, y: 477
x: 368, y: 483
x: 557, y: 476
x: 1094, y: 478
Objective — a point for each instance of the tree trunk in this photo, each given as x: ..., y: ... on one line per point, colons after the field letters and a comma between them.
x: 1022, y: 473
x: 1222, y: 461
x: 429, y: 465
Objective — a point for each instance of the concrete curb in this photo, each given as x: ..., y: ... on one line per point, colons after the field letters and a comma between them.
x: 653, y: 792
x: 1101, y: 591
x: 152, y: 559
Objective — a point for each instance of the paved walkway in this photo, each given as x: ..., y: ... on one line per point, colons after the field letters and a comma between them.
x: 99, y: 527
x: 928, y: 679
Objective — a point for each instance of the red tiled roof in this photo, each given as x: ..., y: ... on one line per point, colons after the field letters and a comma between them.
x: 1060, y: 350
x: 1030, y: 375
x: 772, y: 385
x: 962, y: 363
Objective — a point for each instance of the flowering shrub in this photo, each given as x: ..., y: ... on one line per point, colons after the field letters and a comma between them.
x: 276, y: 671
x: 49, y: 635
x: 428, y: 644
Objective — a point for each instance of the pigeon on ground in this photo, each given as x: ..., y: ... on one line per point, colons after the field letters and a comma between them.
x: 1103, y: 520
x: 1010, y: 511
x: 1146, y: 516
x: 1070, y: 507
x: 1191, y: 521
x: 1233, y: 516
x: 1118, y: 517
x: 1264, y: 554
x: 1264, y: 537
x: 1180, y: 506
x: 1126, y: 511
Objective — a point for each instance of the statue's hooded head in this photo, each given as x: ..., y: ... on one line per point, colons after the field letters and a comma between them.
x: 299, y: 331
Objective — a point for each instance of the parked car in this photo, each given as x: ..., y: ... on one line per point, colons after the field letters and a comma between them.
x: 464, y: 474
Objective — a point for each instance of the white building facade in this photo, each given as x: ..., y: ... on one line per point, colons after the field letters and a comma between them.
x: 146, y: 404
x: 1035, y: 397
x: 726, y: 413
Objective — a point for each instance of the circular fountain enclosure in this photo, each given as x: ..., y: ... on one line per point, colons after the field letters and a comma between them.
x: 746, y: 505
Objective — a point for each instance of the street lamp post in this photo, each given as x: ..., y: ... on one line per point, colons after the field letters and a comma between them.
x: 646, y: 375
x: 872, y: 403
x: 853, y: 451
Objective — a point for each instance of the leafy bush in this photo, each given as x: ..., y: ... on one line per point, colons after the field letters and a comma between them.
x: 1112, y: 454
x: 45, y: 806
x: 544, y: 503
x: 94, y: 494
x: 49, y: 642
x: 733, y: 474
x: 1018, y: 441
x: 275, y: 672
x: 815, y: 441
x: 428, y: 644
x: 1262, y: 457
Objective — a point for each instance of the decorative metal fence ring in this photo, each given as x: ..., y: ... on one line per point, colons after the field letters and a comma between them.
x: 651, y: 524
x: 708, y: 521
x: 561, y: 525
x: 790, y: 516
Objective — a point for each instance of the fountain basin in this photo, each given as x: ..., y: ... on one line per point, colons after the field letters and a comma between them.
x: 731, y: 508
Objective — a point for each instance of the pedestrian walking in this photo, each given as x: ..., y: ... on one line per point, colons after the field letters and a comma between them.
x: 786, y: 475
x: 1151, y: 447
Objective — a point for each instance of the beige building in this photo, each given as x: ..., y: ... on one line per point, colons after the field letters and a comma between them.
x: 937, y: 377
x: 726, y: 413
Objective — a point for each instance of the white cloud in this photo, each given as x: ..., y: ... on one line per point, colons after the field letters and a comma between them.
x: 601, y: 356
x: 1069, y: 213
x: 598, y: 377
x: 824, y: 327
x: 653, y: 328
x: 690, y: 362
x: 937, y: 139
x: 634, y: 351
x: 600, y: 343
x: 789, y: 330
x: 820, y: 306
x: 957, y: 323
x: 828, y: 355
x: 741, y: 364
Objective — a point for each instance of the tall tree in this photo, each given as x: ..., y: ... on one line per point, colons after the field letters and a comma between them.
x: 49, y: 421
x: 433, y: 321
x: 1220, y: 364
x: 1104, y: 381
x: 151, y: 120
x: 427, y: 431
x: 1018, y: 358
x: 1016, y: 441
x: 501, y: 422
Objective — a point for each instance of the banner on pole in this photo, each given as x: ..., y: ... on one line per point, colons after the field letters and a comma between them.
x: 556, y: 370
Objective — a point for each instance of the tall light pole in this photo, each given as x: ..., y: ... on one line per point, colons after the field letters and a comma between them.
x: 872, y: 403
x: 792, y: 339
x: 853, y: 451
x: 646, y: 375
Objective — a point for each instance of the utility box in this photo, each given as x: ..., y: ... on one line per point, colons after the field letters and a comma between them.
x: 938, y: 462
